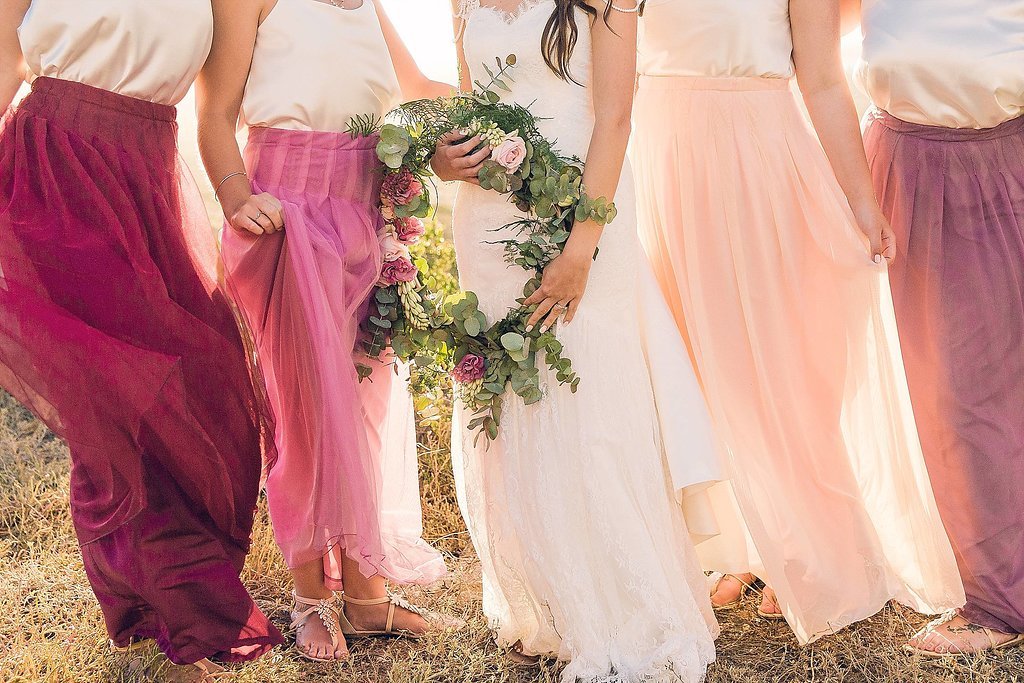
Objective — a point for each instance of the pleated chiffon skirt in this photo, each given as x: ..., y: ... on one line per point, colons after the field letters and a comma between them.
x: 345, y: 479
x: 113, y: 332
x: 956, y: 202
x: 792, y: 331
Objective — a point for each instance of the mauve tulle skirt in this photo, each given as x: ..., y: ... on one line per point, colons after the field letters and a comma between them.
x: 113, y: 332
x: 956, y: 202
x: 793, y: 335
x: 345, y: 477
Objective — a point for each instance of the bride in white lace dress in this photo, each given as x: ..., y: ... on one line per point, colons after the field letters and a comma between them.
x: 574, y: 509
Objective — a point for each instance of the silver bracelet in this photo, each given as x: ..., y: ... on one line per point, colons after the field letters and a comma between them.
x: 229, y: 176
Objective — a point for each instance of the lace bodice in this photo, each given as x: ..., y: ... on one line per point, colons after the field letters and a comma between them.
x: 566, y: 108
x: 467, y: 7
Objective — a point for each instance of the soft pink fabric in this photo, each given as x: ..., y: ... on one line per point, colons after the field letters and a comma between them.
x: 303, y: 293
x: 793, y: 333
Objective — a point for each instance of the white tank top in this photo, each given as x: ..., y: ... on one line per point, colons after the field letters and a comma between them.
x: 949, y: 63
x: 717, y: 38
x: 316, y: 66
x: 147, y: 49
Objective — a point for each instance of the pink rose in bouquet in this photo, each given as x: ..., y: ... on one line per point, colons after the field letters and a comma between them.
x: 393, y: 249
x: 409, y: 230
x: 397, y: 271
x: 510, y: 154
x: 470, y: 369
x: 400, y: 188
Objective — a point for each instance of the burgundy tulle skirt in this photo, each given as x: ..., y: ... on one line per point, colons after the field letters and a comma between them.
x: 956, y: 202
x: 113, y: 332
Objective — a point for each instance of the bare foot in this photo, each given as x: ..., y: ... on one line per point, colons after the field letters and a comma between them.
x: 375, y: 618
x: 957, y: 636
x: 730, y: 589
x: 313, y: 633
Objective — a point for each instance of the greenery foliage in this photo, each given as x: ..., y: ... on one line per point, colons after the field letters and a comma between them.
x: 486, y: 358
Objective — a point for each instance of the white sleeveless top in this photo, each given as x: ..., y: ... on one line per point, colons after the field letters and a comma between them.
x: 949, y: 63
x: 718, y: 38
x: 146, y: 49
x: 316, y: 66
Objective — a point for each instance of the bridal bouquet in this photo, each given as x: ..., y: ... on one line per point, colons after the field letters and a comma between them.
x: 490, y: 357
x: 405, y: 315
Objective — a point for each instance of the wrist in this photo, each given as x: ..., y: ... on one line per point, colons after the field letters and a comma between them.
x: 865, y: 206
x: 232, y: 201
x: 580, y: 248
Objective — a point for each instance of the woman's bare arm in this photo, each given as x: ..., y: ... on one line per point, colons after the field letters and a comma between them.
x: 455, y: 158
x: 849, y: 17
x: 819, y: 68
x: 219, y: 91
x: 614, y: 58
x: 12, y: 62
x: 415, y: 85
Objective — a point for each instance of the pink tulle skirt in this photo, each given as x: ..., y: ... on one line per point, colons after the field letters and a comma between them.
x: 113, y: 331
x: 344, y: 480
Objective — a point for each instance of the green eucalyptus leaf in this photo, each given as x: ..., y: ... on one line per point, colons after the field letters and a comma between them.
x: 512, y: 341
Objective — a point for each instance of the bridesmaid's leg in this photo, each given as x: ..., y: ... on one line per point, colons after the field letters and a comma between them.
x: 312, y: 636
x: 374, y: 617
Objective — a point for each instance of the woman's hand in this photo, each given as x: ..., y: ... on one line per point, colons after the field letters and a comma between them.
x: 562, y: 288
x: 454, y: 160
x: 876, y: 228
x: 260, y: 214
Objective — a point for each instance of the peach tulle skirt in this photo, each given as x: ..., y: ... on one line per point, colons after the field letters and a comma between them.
x: 792, y: 330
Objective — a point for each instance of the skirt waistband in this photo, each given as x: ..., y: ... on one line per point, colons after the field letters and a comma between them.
x: 95, y: 113
x: 724, y: 84
x: 85, y: 96
x: 310, y: 139
x: 941, y: 134
x: 314, y: 164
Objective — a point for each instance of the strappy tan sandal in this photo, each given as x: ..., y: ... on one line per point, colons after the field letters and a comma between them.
x: 1018, y: 639
x: 773, y: 616
x: 393, y: 602
x: 519, y: 658
x: 132, y: 646
x: 211, y: 671
x: 716, y: 580
x: 330, y: 615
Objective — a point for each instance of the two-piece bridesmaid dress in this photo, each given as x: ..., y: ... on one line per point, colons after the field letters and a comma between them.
x: 789, y: 322
x: 345, y: 480
x: 113, y: 331
x: 946, y: 147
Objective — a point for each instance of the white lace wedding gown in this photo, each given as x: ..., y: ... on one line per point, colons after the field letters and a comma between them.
x: 573, y: 509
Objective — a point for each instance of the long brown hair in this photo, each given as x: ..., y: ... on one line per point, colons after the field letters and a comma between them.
x: 561, y: 34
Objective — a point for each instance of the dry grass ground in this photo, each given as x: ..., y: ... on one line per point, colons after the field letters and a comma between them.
x: 51, y: 631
